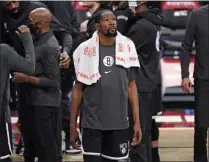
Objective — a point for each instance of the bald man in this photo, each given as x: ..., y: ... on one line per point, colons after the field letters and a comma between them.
x: 43, y: 92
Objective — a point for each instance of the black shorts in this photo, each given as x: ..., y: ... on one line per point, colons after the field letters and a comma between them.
x: 111, y: 144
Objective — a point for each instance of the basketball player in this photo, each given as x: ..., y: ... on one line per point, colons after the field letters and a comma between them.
x: 10, y: 60
x: 104, y: 119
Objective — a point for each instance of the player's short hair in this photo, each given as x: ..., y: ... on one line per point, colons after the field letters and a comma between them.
x: 98, y: 15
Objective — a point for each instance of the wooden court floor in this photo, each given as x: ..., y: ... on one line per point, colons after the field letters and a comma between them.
x: 175, y: 145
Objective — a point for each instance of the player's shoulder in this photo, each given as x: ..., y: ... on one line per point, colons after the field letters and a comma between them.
x: 3, y: 45
x: 5, y: 48
x: 6, y: 51
x: 200, y: 10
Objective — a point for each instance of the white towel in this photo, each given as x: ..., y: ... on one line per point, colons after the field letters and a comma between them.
x: 86, y: 57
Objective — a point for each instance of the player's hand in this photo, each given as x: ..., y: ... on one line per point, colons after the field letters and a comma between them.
x: 64, y: 60
x: 137, y: 135
x: 186, y: 85
x: 19, y: 78
x: 73, y: 137
x: 22, y: 29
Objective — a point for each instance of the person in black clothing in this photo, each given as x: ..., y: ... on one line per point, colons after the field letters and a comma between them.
x: 197, y: 30
x: 9, y: 59
x: 156, y: 111
x: 43, y: 92
x: 144, y: 32
x: 123, y: 13
x: 15, y: 13
x: 66, y: 15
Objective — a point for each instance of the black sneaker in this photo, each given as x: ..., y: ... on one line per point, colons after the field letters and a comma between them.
x: 20, y: 151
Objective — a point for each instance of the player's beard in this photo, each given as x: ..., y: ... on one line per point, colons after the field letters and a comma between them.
x: 111, y: 34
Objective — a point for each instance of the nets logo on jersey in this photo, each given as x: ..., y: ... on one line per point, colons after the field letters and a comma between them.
x: 124, y: 148
x: 108, y: 61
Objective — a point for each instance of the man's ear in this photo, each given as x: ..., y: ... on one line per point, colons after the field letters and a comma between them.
x: 97, y: 26
x: 39, y: 24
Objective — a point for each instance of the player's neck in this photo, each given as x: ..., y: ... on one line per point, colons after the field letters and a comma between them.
x: 45, y: 30
x: 106, y: 41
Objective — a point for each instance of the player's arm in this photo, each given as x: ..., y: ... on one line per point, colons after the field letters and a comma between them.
x: 187, y: 45
x: 76, y: 102
x: 133, y: 99
x: 186, y: 51
x: 14, y: 60
x: 75, y: 107
x: 50, y: 67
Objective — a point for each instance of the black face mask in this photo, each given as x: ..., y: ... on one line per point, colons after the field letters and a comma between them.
x: 34, y: 29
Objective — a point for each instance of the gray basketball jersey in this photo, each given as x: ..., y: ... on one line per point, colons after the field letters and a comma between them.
x: 105, y: 103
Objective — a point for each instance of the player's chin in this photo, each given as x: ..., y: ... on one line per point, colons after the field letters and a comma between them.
x: 112, y: 34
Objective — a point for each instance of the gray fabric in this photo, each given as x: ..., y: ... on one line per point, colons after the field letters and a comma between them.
x: 105, y: 104
x: 9, y: 59
x: 47, y: 93
x: 6, y: 104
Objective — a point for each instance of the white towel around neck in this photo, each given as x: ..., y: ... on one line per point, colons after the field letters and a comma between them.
x: 86, y: 57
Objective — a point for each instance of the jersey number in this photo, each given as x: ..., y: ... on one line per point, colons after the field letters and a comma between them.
x: 108, y: 61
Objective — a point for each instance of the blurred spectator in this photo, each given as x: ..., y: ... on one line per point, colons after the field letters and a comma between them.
x: 65, y: 13
x: 94, y: 8
x: 144, y: 32
x: 16, y: 12
x: 123, y: 13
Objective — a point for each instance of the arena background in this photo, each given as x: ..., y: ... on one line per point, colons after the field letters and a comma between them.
x: 177, y: 119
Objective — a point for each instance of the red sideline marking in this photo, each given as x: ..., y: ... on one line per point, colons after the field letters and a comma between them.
x: 183, y: 123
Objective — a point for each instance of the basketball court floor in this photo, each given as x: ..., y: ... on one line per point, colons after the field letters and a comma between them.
x: 175, y: 145
x: 176, y: 139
